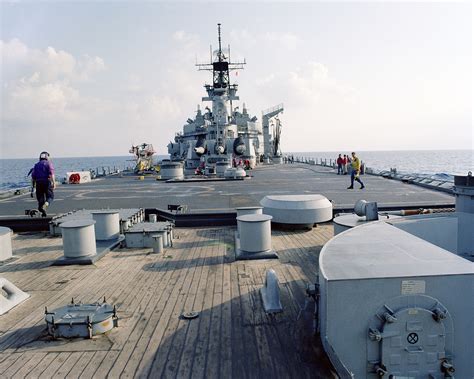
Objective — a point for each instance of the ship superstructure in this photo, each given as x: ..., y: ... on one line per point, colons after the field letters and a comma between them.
x: 223, y: 134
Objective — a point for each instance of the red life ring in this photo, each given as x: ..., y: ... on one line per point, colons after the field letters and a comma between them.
x: 74, y: 178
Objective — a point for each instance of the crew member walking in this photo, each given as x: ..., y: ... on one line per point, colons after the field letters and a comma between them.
x: 355, y: 163
x: 344, y: 164
x: 42, y: 178
x: 339, y: 165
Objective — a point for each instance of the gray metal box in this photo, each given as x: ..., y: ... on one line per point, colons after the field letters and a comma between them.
x: 392, y: 302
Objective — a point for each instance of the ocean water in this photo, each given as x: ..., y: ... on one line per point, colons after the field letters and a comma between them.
x: 443, y: 164
x: 439, y: 163
x: 13, y: 172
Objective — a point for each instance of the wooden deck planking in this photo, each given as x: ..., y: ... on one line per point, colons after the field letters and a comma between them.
x: 91, y: 368
x: 17, y: 365
x: 8, y: 361
x: 64, y: 369
x: 54, y: 365
x: 169, y: 326
x: 36, y: 316
x: 213, y: 354
x: 124, y: 290
x: 250, y: 352
x: 239, y: 362
x: 232, y: 336
x: 185, y: 364
x: 42, y: 365
x: 80, y: 365
x: 151, y: 345
x: 183, y: 326
x: 127, y: 361
x: 226, y: 327
x: 28, y: 366
x: 201, y: 358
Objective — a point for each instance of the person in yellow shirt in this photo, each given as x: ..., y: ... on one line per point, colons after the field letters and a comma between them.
x: 355, y: 172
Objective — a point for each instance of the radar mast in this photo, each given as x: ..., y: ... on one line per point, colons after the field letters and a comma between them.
x: 221, y: 66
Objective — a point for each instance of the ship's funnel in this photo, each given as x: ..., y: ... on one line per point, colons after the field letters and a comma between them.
x: 239, y: 146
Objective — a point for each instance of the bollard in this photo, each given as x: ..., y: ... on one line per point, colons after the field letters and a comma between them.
x: 241, y: 211
x: 78, y: 238
x: 163, y: 235
x: 168, y: 236
x: 157, y: 243
x: 255, y: 233
x: 107, y: 225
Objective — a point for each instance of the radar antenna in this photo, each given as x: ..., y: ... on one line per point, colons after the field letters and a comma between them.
x: 221, y: 66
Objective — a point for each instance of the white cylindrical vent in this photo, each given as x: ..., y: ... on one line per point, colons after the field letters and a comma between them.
x: 157, y: 243
x: 221, y: 167
x: 304, y: 210
x: 359, y: 207
x: 247, y: 211
x: 277, y: 160
x: 107, y: 225
x: 78, y: 238
x: 169, y: 243
x: 172, y: 170
x: 124, y: 225
x: 5, y: 243
x: 152, y: 217
x: 255, y: 233
x: 235, y: 172
x: 164, y: 237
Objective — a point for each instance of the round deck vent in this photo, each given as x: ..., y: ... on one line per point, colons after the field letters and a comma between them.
x: 235, y: 172
x: 81, y: 320
x: 5, y: 243
x: 297, y: 210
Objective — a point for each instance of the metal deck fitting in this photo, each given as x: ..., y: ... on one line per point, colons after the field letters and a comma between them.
x: 81, y: 320
x: 10, y: 296
x: 128, y: 217
x: 141, y: 234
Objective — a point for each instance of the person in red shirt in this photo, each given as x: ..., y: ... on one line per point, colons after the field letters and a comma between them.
x: 344, y: 164
x: 339, y: 165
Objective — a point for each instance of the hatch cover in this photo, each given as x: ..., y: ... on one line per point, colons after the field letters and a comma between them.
x: 414, y: 344
x: 81, y: 320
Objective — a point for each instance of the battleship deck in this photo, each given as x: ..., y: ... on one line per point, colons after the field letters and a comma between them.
x: 128, y: 192
x: 232, y: 337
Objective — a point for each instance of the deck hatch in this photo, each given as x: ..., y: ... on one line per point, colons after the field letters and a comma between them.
x: 81, y: 320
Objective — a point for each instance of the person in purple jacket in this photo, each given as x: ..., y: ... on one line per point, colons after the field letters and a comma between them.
x: 42, y: 178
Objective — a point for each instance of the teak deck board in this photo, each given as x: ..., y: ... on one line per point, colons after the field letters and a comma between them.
x: 232, y: 337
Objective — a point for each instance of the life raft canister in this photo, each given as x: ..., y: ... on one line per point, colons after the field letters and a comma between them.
x: 74, y: 178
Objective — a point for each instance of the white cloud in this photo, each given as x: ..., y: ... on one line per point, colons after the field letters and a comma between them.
x: 42, y: 85
x: 244, y: 38
x: 134, y: 83
x: 319, y: 107
x: 19, y: 60
x: 148, y: 110
x: 45, y: 102
x: 305, y: 86
x: 187, y: 43
x: 288, y: 40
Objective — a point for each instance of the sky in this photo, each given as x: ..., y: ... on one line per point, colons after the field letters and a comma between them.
x: 91, y: 78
